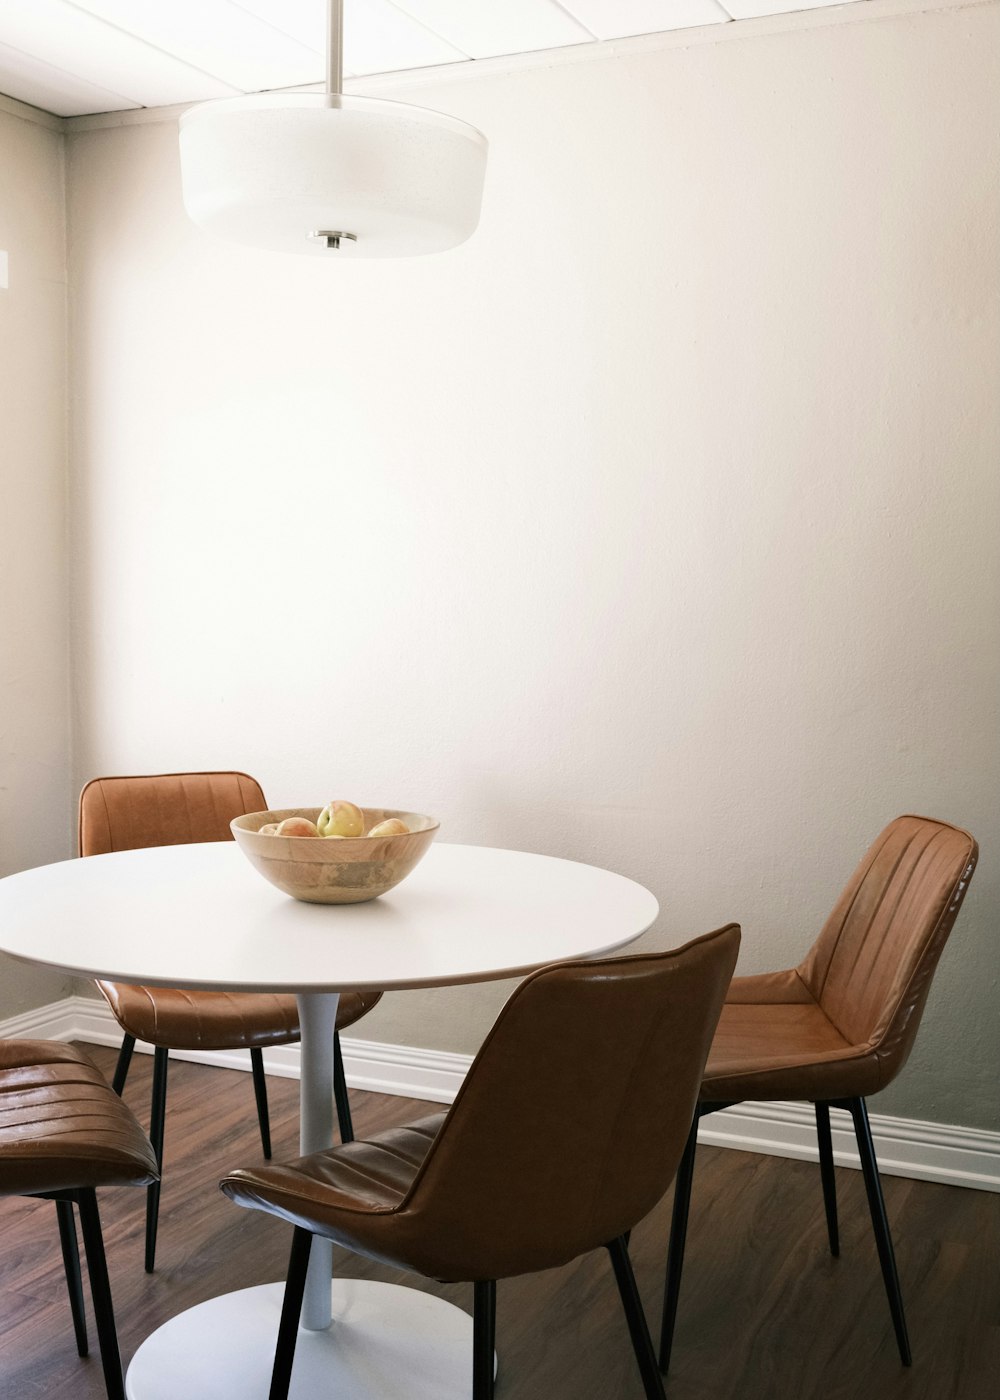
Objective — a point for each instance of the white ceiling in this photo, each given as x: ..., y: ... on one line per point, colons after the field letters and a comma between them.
x: 72, y: 57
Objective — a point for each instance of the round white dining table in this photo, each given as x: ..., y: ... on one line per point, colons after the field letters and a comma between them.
x: 199, y: 916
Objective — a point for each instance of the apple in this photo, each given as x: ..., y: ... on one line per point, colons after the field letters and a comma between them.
x: 392, y: 826
x: 296, y: 826
x: 341, y: 819
x: 267, y: 830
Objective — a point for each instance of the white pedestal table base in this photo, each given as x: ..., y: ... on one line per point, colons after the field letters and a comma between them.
x: 386, y: 1342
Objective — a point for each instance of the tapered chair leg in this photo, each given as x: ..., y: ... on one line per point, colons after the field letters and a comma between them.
x: 157, y: 1119
x: 642, y: 1342
x: 291, y: 1311
x: 827, y: 1175
x: 484, y: 1330
x: 675, y: 1252
x: 124, y: 1060
x: 71, y: 1264
x: 340, y: 1093
x: 100, y: 1291
x: 260, y: 1093
x: 880, y: 1222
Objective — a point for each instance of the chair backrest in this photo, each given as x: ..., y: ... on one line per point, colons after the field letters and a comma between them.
x: 163, y: 809
x: 573, y: 1117
x: 871, y: 967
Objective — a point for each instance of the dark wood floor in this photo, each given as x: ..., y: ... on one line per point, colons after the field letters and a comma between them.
x: 766, y: 1314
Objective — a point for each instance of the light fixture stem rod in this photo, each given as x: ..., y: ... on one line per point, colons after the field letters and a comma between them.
x: 335, y: 47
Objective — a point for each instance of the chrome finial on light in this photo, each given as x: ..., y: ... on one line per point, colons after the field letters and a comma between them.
x: 332, y: 237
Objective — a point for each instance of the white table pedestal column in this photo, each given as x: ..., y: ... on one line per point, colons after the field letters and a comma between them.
x: 318, y: 1021
x: 358, y: 1340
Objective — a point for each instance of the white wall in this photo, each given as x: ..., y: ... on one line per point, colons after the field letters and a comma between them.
x: 35, y: 779
x: 655, y: 527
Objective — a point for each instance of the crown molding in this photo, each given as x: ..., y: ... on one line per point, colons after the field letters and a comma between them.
x: 13, y: 108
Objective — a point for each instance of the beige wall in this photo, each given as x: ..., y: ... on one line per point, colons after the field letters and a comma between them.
x: 655, y: 527
x: 35, y: 820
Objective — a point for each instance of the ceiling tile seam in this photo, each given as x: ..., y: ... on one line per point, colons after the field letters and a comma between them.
x: 575, y: 18
x: 415, y: 19
x: 251, y: 14
x: 155, y: 48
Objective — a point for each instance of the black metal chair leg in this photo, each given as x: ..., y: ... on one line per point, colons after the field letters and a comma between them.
x: 340, y: 1093
x: 157, y: 1118
x: 827, y: 1175
x: 642, y: 1342
x: 260, y: 1093
x: 484, y: 1329
x: 124, y: 1060
x: 880, y: 1223
x: 71, y: 1264
x: 675, y: 1252
x: 100, y: 1291
x: 291, y: 1311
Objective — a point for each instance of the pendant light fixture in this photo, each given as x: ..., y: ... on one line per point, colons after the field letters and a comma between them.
x: 330, y: 175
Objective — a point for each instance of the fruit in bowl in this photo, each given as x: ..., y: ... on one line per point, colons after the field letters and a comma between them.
x: 392, y: 826
x: 294, y: 826
x: 304, y: 856
x: 341, y: 819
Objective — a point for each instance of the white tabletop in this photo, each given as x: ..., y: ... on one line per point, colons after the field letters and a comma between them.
x: 201, y: 916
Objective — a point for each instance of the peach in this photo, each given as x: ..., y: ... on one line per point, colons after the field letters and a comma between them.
x: 392, y: 826
x: 296, y: 826
x: 341, y: 819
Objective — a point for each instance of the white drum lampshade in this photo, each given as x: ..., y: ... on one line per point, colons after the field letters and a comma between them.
x: 331, y: 175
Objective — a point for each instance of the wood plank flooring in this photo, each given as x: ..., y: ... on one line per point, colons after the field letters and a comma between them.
x: 766, y: 1314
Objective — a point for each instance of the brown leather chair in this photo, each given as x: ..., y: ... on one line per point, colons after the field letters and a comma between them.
x: 508, y: 1182
x: 170, y: 809
x: 63, y: 1132
x: 840, y: 1026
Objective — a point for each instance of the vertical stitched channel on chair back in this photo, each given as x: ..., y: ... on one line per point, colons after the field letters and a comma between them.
x: 573, y: 1117
x: 163, y: 809
x: 871, y: 967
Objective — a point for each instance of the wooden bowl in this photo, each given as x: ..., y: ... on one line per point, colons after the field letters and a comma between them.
x: 322, y: 870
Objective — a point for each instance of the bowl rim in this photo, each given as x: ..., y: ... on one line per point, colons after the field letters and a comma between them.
x: 281, y: 813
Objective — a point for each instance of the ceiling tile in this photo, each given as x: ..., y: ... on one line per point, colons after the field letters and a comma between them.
x: 66, y: 37
x: 616, y: 19
x: 304, y: 20
x: 380, y: 38
x: 217, y: 37
x: 486, y: 28
x: 40, y: 85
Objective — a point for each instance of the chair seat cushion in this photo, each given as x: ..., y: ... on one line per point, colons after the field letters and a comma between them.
x: 180, y: 1020
x: 62, y: 1126
x: 774, y: 1042
x: 345, y: 1192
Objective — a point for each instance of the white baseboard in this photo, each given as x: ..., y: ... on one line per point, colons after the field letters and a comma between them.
x: 907, y: 1147
x: 904, y: 1146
